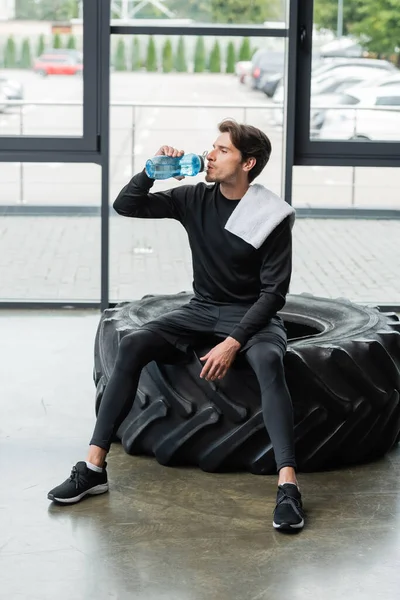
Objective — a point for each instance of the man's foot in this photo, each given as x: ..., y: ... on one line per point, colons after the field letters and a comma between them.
x: 288, y: 512
x: 82, y: 482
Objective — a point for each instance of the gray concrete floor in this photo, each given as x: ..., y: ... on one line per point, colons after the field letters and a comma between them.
x: 162, y: 533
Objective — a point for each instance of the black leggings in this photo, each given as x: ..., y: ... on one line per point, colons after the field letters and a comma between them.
x: 139, y: 348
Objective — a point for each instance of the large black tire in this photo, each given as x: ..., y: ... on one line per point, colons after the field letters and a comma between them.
x: 342, y: 368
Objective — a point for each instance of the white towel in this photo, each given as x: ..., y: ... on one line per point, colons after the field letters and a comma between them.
x: 257, y: 215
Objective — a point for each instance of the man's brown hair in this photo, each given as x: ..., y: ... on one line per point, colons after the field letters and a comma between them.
x: 251, y: 142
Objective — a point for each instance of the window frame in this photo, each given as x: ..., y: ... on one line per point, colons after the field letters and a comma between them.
x: 310, y: 152
x: 14, y: 147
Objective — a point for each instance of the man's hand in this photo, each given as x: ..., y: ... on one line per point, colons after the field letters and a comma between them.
x: 219, y: 359
x: 170, y: 151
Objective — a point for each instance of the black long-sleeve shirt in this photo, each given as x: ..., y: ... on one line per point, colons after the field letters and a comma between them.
x: 226, y: 269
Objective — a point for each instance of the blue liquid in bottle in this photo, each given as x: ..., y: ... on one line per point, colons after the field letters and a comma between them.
x: 164, y: 167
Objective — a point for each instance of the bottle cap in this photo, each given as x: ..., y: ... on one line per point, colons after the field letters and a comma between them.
x: 203, y: 160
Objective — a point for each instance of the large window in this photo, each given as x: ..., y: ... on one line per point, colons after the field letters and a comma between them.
x: 41, y: 76
x: 343, y: 258
x: 346, y: 187
x: 49, y: 244
x: 175, y: 90
x: 46, y: 69
x: 187, y: 12
x: 355, y: 82
x: 348, y: 111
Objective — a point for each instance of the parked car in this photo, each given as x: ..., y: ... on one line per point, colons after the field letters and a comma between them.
x: 343, y: 67
x: 10, y: 89
x: 269, y: 83
x: 266, y: 64
x: 385, y: 80
x: 333, y: 65
x: 364, y: 120
x: 334, y: 81
x: 59, y: 63
x: 344, y: 47
x: 329, y: 83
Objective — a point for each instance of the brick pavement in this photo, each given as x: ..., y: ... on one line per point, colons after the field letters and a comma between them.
x: 58, y: 258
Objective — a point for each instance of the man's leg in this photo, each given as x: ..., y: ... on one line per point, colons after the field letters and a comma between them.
x: 135, y: 351
x: 266, y: 359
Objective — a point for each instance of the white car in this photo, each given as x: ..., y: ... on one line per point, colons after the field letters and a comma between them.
x: 334, y: 81
x: 10, y: 90
x: 380, y: 82
x: 375, y: 115
x: 345, y: 65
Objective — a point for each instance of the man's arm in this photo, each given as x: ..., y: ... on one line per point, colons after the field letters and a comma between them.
x: 135, y: 199
x: 276, y: 270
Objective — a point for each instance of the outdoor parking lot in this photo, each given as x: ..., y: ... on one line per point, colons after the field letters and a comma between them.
x: 192, y: 128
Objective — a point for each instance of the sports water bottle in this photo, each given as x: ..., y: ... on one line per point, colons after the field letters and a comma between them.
x: 164, y: 167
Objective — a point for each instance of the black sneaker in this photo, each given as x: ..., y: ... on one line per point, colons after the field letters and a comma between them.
x: 288, y: 512
x: 82, y: 482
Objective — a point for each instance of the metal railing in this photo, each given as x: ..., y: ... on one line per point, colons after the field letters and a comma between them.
x: 276, y: 110
x: 134, y: 106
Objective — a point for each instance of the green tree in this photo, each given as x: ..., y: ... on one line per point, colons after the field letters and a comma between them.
x: 10, y: 54
x: 167, y: 57
x: 120, y: 57
x: 41, y: 45
x: 180, y: 58
x: 326, y: 14
x: 378, y: 26
x: 215, y: 58
x: 57, y: 42
x: 245, y: 50
x: 46, y: 10
x: 230, y: 58
x: 200, y: 56
x: 151, y: 60
x: 377, y: 23
x: 197, y: 10
x: 135, y: 54
x: 71, y: 43
x: 239, y: 11
x: 26, y: 58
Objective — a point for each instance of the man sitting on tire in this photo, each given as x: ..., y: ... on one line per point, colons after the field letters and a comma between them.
x: 240, y: 237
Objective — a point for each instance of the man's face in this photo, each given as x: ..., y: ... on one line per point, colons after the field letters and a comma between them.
x: 224, y: 160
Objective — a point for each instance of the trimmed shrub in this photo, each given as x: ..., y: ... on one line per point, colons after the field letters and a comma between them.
x: 245, y: 50
x: 10, y: 54
x: 215, y: 58
x: 120, y: 57
x: 135, y: 54
x: 26, y: 58
x: 230, y: 58
x: 41, y: 45
x: 57, y: 42
x: 151, y: 60
x: 167, y: 58
x: 71, y: 43
x: 200, y: 56
x: 180, y: 60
